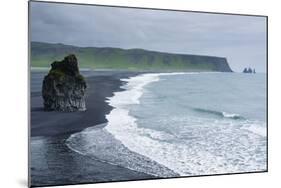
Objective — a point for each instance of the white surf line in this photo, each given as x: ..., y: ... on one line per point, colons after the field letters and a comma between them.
x: 123, y: 126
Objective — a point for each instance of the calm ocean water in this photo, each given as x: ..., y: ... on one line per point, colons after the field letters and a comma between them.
x: 191, y: 123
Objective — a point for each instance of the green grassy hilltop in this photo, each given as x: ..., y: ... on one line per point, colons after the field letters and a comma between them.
x: 43, y: 54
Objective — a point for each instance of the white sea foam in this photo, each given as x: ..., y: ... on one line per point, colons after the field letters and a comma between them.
x: 98, y: 143
x: 200, y: 145
x: 229, y: 115
x: 134, y: 89
x: 201, y: 153
x: 255, y: 127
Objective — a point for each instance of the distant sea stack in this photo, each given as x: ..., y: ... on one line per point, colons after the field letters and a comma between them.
x: 64, y: 87
x: 127, y: 59
x: 249, y: 70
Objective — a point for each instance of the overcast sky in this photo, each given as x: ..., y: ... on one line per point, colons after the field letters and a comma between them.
x: 241, y: 39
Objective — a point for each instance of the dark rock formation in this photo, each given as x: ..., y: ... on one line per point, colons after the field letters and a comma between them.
x: 249, y: 70
x: 64, y: 87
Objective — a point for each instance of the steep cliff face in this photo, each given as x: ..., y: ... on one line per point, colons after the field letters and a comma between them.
x: 222, y: 65
x: 132, y: 59
x: 64, y: 87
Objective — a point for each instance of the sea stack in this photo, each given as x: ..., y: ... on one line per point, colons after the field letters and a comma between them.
x: 64, y: 87
x: 249, y: 70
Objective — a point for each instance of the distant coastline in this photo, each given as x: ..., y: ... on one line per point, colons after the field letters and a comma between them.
x: 42, y: 54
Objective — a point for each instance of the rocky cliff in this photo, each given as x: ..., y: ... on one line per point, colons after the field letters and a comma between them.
x: 126, y: 59
x: 64, y: 87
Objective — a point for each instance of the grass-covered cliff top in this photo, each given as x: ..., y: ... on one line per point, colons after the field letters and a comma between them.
x: 42, y: 54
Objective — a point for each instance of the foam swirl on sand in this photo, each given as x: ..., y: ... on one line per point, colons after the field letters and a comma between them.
x: 98, y: 143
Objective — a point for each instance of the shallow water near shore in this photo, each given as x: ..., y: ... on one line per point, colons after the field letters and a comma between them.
x: 53, y: 163
x: 189, y: 123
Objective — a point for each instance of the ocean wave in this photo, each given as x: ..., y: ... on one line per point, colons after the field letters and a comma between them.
x: 254, y: 126
x: 198, y: 150
x: 208, y: 147
x: 134, y: 88
x: 98, y: 143
x: 108, y: 144
x: 220, y: 114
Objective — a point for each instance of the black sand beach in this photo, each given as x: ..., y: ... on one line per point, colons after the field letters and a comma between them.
x: 100, y: 86
x: 52, y: 162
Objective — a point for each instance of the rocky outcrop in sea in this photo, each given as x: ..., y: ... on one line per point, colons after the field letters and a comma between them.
x: 249, y: 70
x: 64, y: 87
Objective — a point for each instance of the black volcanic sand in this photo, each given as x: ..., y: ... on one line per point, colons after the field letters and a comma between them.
x: 52, y: 162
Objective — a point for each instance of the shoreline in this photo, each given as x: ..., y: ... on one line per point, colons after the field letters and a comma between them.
x: 101, y: 155
x: 100, y: 87
x: 54, y: 164
x: 51, y: 157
